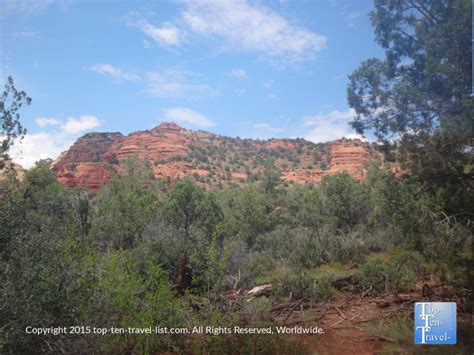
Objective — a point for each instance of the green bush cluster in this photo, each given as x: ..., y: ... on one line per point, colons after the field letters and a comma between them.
x: 111, y: 258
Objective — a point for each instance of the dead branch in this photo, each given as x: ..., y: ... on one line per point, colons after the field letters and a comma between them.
x: 294, y: 307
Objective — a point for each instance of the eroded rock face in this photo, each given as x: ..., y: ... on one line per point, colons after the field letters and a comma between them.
x: 212, y: 160
x: 89, y: 175
x: 89, y: 148
x: 349, y: 155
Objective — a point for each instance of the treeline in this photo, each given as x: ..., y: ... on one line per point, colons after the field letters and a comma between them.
x: 112, y: 258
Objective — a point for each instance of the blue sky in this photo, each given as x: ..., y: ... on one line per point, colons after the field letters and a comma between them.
x: 256, y: 69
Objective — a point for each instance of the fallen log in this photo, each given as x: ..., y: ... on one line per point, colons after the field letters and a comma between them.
x: 259, y: 291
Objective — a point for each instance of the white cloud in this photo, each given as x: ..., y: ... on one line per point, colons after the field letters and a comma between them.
x: 186, y: 115
x: 174, y: 83
x: 50, y: 143
x: 117, y: 73
x: 267, y: 129
x: 251, y: 28
x: 269, y: 84
x: 330, y: 126
x: 168, y: 34
x: 38, y: 146
x: 45, y: 121
x: 238, y: 73
x: 28, y: 7
x: 75, y: 125
x: 333, y: 116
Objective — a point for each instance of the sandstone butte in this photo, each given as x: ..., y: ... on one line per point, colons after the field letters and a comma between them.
x: 171, y: 151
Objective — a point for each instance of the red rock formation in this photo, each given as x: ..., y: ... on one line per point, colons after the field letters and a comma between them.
x: 174, y: 154
x: 164, y: 141
x: 349, y: 155
x: 89, y: 148
x: 90, y: 175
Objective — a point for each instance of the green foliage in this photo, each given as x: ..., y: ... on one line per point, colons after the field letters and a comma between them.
x: 42, y: 259
x: 125, y: 206
x: 134, y: 292
x: 11, y: 102
x: 343, y: 202
x: 420, y: 93
x: 111, y: 258
x: 294, y: 284
x: 190, y: 209
x: 246, y: 214
x: 381, y: 275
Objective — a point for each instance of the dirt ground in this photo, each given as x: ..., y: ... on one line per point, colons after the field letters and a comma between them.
x: 358, y: 324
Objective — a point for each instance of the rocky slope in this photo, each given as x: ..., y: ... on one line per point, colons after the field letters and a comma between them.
x: 212, y: 160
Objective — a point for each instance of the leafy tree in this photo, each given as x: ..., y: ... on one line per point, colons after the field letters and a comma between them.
x: 271, y: 177
x: 190, y: 209
x: 42, y: 260
x: 343, y: 203
x: 10, y: 103
x: 247, y: 213
x: 126, y: 204
x: 419, y: 94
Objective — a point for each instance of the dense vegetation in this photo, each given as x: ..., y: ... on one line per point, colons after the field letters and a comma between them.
x: 111, y: 258
x: 114, y: 258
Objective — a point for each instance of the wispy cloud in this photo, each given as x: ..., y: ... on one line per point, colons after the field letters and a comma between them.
x: 242, y: 26
x: 333, y: 116
x: 46, y: 121
x: 329, y: 126
x: 26, y: 34
x: 114, y: 72
x: 237, y: 73
x: 27, y: 7
x: 266, y: 129
x: 237, y: 25
x: 176, y: 83
x: 42, y: 145
x: 240, y: 92
x: 57, y: 136
x: 269, y: 84
x: 72, y: 125
x: 75, y: 125
x: 167, y: 35
x: 187, y: 116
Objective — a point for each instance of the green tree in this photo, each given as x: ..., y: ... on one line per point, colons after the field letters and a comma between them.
x: 42, y: 253
x: 126, y: 204
x: 247, y: 213
x: 343, y: 203
x: 190, y: 209
x: 419, y: 94
x: 10, y: 103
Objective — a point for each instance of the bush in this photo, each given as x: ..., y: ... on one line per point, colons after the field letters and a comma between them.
x: 299, y: 284
x: 381, y: 275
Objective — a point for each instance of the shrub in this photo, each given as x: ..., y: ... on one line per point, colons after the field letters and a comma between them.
x: 299, y: 284
x: 381, y: 275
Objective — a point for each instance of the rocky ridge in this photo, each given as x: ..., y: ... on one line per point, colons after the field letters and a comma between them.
x: 212, y: 160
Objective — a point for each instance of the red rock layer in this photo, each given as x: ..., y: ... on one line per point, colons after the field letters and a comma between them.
x: 95, y: 157
x: 90, y: 175
x: 349, y: 155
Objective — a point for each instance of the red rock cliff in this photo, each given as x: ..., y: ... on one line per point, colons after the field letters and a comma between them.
x: 211, y: 160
